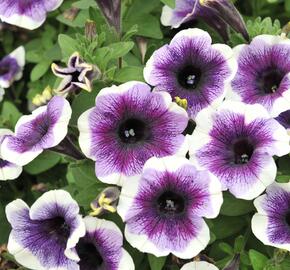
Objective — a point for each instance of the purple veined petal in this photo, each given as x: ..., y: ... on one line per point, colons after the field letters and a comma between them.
x: 191, y: 67
x: 237, y: 143
x: 272, y: 221
x: 199, y: 265
x: 102, y: 247
x: 128, y: 125
x: 45, y: 236
x: 164, y: 208
x: 284, y: 120
x: 263, y: 75
x: 44, y: 128
x: 30, y: 14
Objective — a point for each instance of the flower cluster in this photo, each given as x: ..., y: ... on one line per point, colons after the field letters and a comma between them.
x: 168, y: 178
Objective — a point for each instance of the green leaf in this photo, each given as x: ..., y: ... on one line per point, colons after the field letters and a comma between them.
x: 67, y: 44
x: 39, y: 70
x: 258, y: 260
x: 170, y: 3
x: 10, y: 112
x: 287, y: 5
x: 42, y: 163
x: 156, y: 263
x: 235, y: 207
x: 129, y: 73
x: 4, y: 225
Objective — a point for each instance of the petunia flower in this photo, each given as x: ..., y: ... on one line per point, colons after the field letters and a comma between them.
x: 191, y: 68
x: 46, y: 127
x: 263, y: 74
x: 237, y: 143
x: 8, y: 170
x: 272, y: 222
x: 29, y: 14
x: 102, y: 247
x: 199, y: 265
x: 11, y: 67
x: 164, y: 207
x: 218, y: 14
x: 128, y: 125
x: 284, y: 120
x: 45, y: 235
x: 77, y: 75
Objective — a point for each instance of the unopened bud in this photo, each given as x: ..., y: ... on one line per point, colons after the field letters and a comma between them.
x: 90, y: 30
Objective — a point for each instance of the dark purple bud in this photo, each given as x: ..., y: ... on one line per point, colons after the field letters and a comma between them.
x: 111, y: 9
x: 234, y: 264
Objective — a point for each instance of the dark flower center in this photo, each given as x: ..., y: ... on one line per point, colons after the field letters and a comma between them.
x: 57, y: 229
x: 133, y: 130
x: 170, y: 203
x: 189, y: 77
x: 90, y: 258
x: 4, y: 70
x: 75, y: 76
x: 269, y: 80
x: 243, y: 151
x: 3, y: 163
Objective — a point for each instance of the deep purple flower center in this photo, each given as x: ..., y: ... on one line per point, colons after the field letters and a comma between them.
x: 189, y: 77
x: 170, y: 203
x: 57, y: 228
x: 4, y: 70
x: 8, y: 67
x: 133, y: 130
x: 75, y: 76
x: 243, y: 150
x: 3, y: 163
x: 269, y: 80
x: 287, y: 218
x: 90, y: 258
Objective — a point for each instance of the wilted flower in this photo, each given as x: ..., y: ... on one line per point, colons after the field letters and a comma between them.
x: 191, y: 68
x: 263, y: 73
x: 46, y: 127
x: 101, y: 248
x: 199, y: 265
x: 272, y: 222
x: 45, y: 235
x: 128, y: 125
x: 106, y: 201
x: 77, y: 75
x: 236, y: 143
x: 164, y: 207
x: 8, y: 170
x: 284, y: 120
x: 219, y: 14
x: 29, y: 14
x: 43, y: 98
x: 11, y: 67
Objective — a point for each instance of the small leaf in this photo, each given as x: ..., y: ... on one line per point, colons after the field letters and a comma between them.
x: 67, y: 44
x: 156, y: 263
x: 10, y: 112
x: 130, y: 73
x: 39, y: 70
x: 170, y: 3
x: 258, y: 260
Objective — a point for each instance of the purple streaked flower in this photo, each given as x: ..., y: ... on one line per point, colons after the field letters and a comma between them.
x: 199, y: 265
x: 218, y: 14
x: 284, y: 120
x: 271, y: 224
x: 191, y: 68
x: 8, y: 170
x: 128, y: 125
x: 77, y: 75
x: 102, y: 247
x: 164, y: 207
x: 237, y: 143
x: 45, y: 128
x: 45, y: 235
x: 263, y: 74
x: 29, y: 14
x: 11, y: 67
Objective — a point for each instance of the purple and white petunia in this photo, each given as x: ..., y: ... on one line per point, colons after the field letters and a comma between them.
x: 102, y: 247
x: 263, y: 74
x: 271, y: 224
x: 237, y: 143
x: 46, y: 127
x: 199, y: 265
x: 11, y: 67
x: 128, y: 125
x: 29, y: 14
x: 45, y: 235
x: 191, y: 68
x: 219, y: 14
x: 164, y: 207
x: 8, y: 170
x: 284, y: 119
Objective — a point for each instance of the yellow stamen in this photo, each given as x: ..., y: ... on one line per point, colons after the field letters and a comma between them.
x: 182, y: 102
